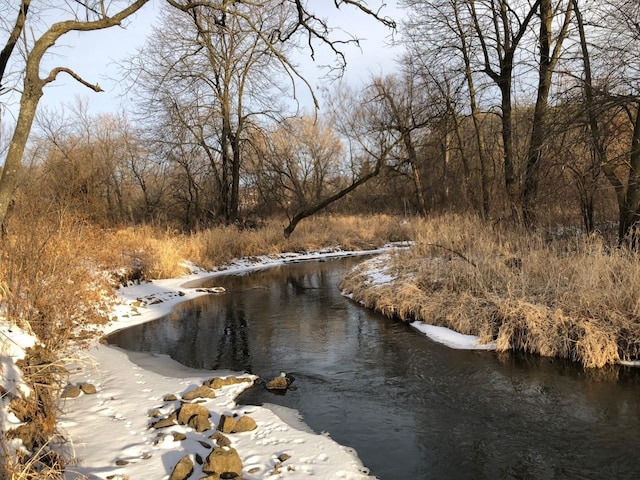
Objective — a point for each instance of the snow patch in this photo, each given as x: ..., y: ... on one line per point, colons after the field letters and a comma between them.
x: 13, y: 343
x: 451, y: 338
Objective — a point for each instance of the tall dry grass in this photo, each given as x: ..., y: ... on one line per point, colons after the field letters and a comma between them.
x: 574, y: 298
x: 144, y: 252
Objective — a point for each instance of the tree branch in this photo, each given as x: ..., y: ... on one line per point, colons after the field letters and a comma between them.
x: 13, y: 38
x: 54, y: 73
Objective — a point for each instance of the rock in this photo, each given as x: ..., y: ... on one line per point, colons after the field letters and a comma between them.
x: 163, y: 423
x: 88, y: 388
x: 223, y: 460
x: 205, y: 445
x: 220, y: 439
x: 154, y: 413
x: 245, y: 424
x: 227, y: 424
x: 169, y: 398
x: 71, y: 391
x: 280, y: 383
x: 183, y: 469
x: 199, y: 423
x: 199, y: 460
x: 283, y: 457
x: 188, y: 410
x: 122, y: 463
x: 178, y: 437
x: 200, y: 392
x: 223, y: 382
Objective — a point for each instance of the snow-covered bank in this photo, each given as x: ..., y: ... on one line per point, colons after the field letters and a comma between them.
x: 452, y: 339
x: 13, y: 343
x: 377, y: 272
x: 109, y: 431
x: 111, y: 438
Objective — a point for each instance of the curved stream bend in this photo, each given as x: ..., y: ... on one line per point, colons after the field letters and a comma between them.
x: 411, y: 408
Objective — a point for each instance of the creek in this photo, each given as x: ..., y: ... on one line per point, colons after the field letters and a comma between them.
x: 410, y: 407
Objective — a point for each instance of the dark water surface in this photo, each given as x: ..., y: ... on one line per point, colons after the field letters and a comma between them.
x: 411, y: 408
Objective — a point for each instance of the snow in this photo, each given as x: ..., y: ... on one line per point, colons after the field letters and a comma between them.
x: 451, y: 338
x: 377, y: 273
x: 377, y: 270
x: 113, y: 424
x: 13, y: 343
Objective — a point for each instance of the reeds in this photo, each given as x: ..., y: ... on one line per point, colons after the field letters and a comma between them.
x: 572, y: 298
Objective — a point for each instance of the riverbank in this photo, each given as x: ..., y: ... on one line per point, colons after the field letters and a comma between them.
x: 109, y: 431
x: 571, y: 298
x: 57, y: 279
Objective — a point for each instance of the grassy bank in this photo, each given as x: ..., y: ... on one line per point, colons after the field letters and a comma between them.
x: 58, y: 274
x: 573, y: 298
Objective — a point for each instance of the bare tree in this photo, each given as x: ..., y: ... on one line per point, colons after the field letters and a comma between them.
x: 550, y: 48
x: 408, y: 113
x: 617, y: 90
x: 368, y: 146
x: 208, y: 77
x: 448, y: 62
x: 99, y: 15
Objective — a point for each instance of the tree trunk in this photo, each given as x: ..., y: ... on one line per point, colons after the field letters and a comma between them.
x: 32, y: 93
x: 548, y: 61
x: 13, y: 162
x: 309, y: 211
x: 631, y: 210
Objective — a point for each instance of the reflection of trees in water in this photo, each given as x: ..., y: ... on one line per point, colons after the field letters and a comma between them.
x: 233, y: 349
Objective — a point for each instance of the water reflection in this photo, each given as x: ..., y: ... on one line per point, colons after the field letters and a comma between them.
x: 411, y: 408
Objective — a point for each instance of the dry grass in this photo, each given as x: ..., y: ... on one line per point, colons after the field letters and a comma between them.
x: 219, y: 246
x: 57, y: 271
x: 571, y: 298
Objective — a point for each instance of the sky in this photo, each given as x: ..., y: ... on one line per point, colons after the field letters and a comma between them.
x: 95, y: 55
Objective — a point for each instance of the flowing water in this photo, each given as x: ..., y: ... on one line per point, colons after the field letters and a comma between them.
x: 411, y: 408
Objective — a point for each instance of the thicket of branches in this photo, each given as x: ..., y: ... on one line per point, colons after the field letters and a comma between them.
x: 521, y: 110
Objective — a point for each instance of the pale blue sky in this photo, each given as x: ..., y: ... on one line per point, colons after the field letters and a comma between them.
x: 94, y: 55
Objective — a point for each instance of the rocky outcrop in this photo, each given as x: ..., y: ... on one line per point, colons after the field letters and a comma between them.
x: 165, y: 422
x: 220, y: 439
x: 245, y: 424
x: 194, y: 415
x: 88, y: 388
x: 236, y: 425
x: 223, y: 382
x: 71, y: 391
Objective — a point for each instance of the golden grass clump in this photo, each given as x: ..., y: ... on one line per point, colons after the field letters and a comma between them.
x: 572, y: 298
x: 49, y: 285
x: 217, y: 246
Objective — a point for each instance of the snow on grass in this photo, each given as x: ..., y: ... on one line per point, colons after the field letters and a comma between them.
x: 13, y: 343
